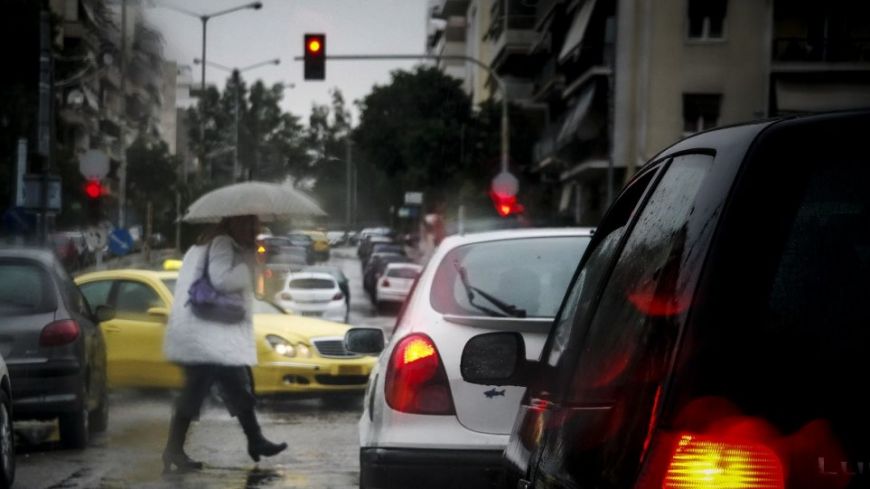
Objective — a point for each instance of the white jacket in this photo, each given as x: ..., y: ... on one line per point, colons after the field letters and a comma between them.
x: 191, y: 340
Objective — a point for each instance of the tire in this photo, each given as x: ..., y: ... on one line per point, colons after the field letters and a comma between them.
x: 74, y: 429
x: 99, y: 419
x: 7, y: 445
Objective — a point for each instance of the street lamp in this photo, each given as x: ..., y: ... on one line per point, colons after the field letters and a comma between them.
x: 236, y: 72
x: 204, y: 18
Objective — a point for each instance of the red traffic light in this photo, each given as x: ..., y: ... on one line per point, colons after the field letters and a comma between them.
x: 94, y: 189
x: 506, y: 205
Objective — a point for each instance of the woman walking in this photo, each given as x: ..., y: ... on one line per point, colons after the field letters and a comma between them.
x: 215, y: 349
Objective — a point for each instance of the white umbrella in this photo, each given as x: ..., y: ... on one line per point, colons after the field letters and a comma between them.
x: 269, y: 201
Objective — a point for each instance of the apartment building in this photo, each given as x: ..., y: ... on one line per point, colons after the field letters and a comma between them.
x: 616, y: 81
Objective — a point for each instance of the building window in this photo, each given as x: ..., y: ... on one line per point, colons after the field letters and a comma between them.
x: 707, y: 19
x: 700, y: 111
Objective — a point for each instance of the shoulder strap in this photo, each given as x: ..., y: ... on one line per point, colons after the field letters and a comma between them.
x: 207, y: 253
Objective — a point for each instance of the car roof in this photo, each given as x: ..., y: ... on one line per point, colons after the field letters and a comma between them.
x: 463, y: 239
x: 40, y: 255
x: 129, y: 273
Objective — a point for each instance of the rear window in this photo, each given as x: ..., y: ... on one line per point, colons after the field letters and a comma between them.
x: 25, y: 289
x: 311, y: 283
x: 530, y: 274
x: 403, y: 273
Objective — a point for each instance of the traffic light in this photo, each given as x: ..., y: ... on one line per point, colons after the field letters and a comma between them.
x: 506, y: 205
x: 315, y: 57
x: 94, y: 192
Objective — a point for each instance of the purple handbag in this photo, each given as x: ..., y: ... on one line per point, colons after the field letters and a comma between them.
x: 208, y: 303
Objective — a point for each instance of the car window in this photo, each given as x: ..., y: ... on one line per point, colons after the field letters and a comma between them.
x: 311, y: 283
x: 133, y: 299
x: 25, y: 288
x: 170, y: 284
x: 529, y: 273
x: 97, y: 293
x: 626, y: 352
x: 72, y: 296
x: 411, y: 273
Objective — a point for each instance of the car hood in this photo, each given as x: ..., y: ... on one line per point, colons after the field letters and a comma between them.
x: 290, y: 326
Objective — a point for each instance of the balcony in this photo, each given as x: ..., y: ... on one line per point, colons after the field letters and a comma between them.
x: 448, y: 8
x: 512, y: 32
x: 804, y: 54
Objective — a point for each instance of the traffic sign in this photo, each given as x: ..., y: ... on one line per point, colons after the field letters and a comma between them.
x: 120, y: 242
x: 505, y: 184
x: 96, y: 237
x: 413, y: 198
x: 94, y: 164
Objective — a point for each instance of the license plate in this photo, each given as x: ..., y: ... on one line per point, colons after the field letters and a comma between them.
x: 311, y: 314
x: 349, y: 370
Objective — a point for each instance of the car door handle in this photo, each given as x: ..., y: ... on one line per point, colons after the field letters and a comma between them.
x: 112, y: 329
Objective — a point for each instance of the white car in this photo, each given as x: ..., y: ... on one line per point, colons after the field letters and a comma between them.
x: 422, y: 424
x: 395, y: 284
x: 314, y: 294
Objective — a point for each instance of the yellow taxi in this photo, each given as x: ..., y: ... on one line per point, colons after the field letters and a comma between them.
x: 296, y: 355
x: 320, y: 243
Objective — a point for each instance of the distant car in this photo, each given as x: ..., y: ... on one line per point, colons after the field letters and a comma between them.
x: 382, y: 249
x: 337, y: 273
x: 7, y: 438
x: 279, y: 256
x: 366, y: 243
x: 422, y: 425
x: 320, y: 244
x: 304, y: 241
x: 375, y: 269
x: 314, y: 294
x: 716, y: 331
x: 395, y: 283
x: 53, y: 346
x: 337, y: 238
x: 296, y: 355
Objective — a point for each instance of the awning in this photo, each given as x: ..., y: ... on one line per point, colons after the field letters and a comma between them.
x: 577, y: 30
x: 794, y: 96
x: 572, y: 125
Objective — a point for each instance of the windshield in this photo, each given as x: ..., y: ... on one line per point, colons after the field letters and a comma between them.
x: 529, y: 274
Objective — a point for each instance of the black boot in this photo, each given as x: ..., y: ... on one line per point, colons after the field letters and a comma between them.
x: 257, y: 443
x: 174, y: 452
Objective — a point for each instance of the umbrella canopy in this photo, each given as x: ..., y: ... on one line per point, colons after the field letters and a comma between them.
x: 269, y: 201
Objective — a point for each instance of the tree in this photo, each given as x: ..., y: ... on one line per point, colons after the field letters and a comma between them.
x: 411, y: 130
x: 326, y: 141
x: 152, y: 177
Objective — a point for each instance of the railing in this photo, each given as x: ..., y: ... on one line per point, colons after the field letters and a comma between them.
x: 797, y: 49
x: 511, y: 15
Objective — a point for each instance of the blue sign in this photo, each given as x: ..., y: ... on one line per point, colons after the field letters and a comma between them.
x: 120, y: 242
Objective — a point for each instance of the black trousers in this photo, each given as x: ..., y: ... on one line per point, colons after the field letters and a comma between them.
x: 235, y: 383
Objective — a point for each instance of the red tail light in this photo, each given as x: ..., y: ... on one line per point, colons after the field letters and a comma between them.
x: 416, y: 380
x: 59, y: 333
x: 385, y: 283
x: 702, y: 462
x: 338, y: 296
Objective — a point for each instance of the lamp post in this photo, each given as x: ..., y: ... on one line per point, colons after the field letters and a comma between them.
x: 236, y: 72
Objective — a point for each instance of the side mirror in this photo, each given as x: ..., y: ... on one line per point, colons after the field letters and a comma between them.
x: 161, y: 313
x: 364, y: 341
x: 104, y: 313
x: 495, y: 359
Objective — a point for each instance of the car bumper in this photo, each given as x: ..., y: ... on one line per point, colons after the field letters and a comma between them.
x: 44, y: 390
x: 289, y: 377
x: 387, y: 468
x: 388, y: 295
x: 333, y: 311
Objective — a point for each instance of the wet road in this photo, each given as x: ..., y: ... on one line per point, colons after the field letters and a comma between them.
x: 323, y: 450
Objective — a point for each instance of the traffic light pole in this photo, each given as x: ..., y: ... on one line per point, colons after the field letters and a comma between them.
x: 505, y: 123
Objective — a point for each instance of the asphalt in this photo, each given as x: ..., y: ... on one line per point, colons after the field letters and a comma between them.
x: 322, y: 437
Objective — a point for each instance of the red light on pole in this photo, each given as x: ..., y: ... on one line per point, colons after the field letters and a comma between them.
x: 314, y: 46
x: 503, y: 192
x: 314, y: 57
x: 93, y: 189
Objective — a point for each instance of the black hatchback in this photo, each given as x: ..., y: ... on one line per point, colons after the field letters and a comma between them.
x: 52, y: 344
x: 717, y: 331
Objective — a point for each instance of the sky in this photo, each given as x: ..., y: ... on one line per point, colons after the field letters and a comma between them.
x: 247, y: 37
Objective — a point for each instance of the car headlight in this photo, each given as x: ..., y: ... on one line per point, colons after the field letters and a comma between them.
x: 287, y: 349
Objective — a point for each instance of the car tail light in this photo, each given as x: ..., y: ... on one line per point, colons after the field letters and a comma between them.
x: 385, y: 283
x: 338, y: 296
x: 59, y: 333
x: 416, y: 380
x: 705, y: 462
x: 285, y: 296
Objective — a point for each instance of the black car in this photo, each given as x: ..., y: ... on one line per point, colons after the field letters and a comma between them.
x: 716, y: 331
x: 375, y: 268
x: 53, y: 346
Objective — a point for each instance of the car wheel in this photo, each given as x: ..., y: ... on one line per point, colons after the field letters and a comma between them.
x: 74, y: 429
x: 7, y: 445
x: 99, y: 418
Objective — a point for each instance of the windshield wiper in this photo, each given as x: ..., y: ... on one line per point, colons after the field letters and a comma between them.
x: 507, y: 310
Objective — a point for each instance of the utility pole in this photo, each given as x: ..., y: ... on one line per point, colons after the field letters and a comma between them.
x: 122, y: 174
x: 349, y: 181
x: 45, y: 119
x: 236, y: 82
